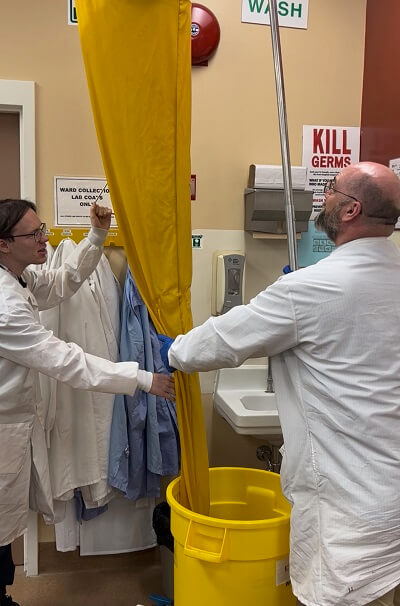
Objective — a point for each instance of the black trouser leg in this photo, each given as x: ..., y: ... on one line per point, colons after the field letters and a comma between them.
x: 7, y: 567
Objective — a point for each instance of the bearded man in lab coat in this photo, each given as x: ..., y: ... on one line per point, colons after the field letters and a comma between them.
x: 27, y: 348
x: 332, y: 331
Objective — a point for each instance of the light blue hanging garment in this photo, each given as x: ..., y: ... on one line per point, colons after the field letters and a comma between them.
x: 144, y: 442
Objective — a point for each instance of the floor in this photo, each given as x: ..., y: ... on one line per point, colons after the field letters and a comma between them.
x: 66, y: 579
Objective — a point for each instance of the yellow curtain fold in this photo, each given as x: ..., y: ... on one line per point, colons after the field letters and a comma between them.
x: 138, y: 67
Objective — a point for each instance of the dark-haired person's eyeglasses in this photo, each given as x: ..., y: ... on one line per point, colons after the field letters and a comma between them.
x: 39, y: 233
x: 330, y: 186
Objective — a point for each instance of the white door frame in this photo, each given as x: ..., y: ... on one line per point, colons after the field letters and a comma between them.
x: 19, y: 96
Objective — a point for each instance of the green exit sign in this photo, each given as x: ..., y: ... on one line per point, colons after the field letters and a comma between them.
x: 72, y: 16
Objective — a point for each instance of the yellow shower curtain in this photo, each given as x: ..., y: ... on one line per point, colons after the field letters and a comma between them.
x: 137, y: 59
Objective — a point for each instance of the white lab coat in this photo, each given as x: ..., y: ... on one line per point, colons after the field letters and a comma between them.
x: 332, y: 330
x: 27, y: 348
x: 78, y: 422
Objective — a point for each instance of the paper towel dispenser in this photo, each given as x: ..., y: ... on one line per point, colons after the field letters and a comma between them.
x: 265, y: 210
x: 270, y: 176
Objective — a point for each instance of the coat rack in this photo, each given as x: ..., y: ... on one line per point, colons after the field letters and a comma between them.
x: 57, y: 234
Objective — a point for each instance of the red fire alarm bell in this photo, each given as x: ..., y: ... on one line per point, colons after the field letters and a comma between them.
x: 205, y: 34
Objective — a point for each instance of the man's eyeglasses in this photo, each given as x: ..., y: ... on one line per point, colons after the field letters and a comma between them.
x: 330, y: 186
x: 37, y: 235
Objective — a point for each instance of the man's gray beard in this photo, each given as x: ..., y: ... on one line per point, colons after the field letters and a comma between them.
x: 329, y: 222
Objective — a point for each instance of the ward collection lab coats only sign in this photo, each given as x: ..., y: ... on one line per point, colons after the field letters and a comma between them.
x: 290, y: 14
x: 326, y: 151
x: 73, y: 197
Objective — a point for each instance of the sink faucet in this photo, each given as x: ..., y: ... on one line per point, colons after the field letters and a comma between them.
x: 270, y: 383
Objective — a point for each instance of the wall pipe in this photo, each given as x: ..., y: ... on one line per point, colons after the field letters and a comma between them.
x: 287, y: 173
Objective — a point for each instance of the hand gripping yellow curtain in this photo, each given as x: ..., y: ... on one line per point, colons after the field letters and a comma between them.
x: 137, y: 59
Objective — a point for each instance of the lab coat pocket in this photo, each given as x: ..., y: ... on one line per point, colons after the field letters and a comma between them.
x: 14, y: 443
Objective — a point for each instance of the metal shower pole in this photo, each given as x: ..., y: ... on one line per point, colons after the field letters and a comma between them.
x: 287, y: 173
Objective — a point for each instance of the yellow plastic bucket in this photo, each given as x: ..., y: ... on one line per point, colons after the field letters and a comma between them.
x: 239, y: 554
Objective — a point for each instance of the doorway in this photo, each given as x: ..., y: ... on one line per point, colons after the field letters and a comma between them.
x: 17, y: 179
x: 10, y: 178
x: 10, y: 171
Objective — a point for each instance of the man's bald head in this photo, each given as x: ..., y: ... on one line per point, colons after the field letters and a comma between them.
x: 376, y: 187
x: 362, y: 201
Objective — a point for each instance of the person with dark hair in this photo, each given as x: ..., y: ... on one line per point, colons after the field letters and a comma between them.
x: 332, y: 333
x: 27, y: 348
x: 11, y: 211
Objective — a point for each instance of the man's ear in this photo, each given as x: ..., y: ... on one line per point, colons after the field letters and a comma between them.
x: 351, y: 210
x: 4, y: 246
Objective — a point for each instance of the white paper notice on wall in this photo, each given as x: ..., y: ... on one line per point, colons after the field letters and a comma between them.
x: 72, y: 16
x: 290, y: 13
x: 395, y: 166
x: 73, y: 197
x: 282, y: 572
x: 326, y: 151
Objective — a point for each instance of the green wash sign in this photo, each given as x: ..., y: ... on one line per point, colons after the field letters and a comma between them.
x: 290, y: 13
x: 72, y: 16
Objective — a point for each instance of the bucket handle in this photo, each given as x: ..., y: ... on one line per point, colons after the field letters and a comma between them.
x: 203, y: 554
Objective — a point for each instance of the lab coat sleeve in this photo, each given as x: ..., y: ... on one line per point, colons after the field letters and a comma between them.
x: 264, y: 327
x: 51, y: 287
x: 26, y: 342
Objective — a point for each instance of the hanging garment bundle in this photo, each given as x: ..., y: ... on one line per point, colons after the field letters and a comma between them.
x: 78, y: 426
x: 144, y: 441
x: 78, y: 422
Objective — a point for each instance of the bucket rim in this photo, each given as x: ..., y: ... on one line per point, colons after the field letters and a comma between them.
x: 283, y: 520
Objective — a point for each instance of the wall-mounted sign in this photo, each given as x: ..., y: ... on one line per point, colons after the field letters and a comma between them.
x: 72, y: 16
x: 395, y: 166
x: 326, y: 151
x: 197, y: 240
x: 290, y: 14
x: 73, y: 197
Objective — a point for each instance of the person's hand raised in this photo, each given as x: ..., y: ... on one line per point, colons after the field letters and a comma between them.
x: 100, y: 216
x: 163, y: 385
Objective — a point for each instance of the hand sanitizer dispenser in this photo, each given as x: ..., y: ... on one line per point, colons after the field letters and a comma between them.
x: 228, y: 280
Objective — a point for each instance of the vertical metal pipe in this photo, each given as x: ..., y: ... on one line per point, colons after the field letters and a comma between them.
x: 287, y: 173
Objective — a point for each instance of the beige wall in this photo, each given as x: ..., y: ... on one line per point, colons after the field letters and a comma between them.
x: 234, y: 107
x: 234, y: 100
x: 234, y: 124
x: 37, y: 44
